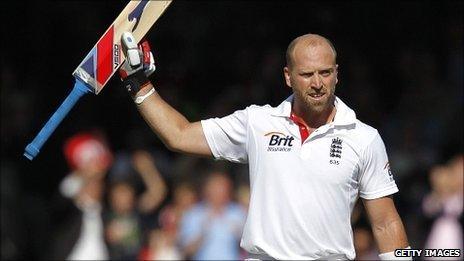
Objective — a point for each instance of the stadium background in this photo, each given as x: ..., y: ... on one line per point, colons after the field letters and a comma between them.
x: 401, y: 69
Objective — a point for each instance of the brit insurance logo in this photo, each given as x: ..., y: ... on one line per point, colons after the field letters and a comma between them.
x: 279, y: 142
x: 336, y: 151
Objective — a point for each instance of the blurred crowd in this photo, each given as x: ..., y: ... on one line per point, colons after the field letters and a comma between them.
x: 118, y: 207
x: 121, y: 207
x: 104, y: 184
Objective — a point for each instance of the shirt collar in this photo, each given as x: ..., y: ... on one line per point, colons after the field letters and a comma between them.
x: 343, y: 116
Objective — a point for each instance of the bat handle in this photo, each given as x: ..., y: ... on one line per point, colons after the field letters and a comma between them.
x: 33, y: 148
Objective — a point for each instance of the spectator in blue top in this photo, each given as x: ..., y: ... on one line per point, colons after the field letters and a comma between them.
x: 212, y: 228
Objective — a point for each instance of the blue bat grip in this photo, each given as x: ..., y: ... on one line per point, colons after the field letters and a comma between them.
x: 33, y: 148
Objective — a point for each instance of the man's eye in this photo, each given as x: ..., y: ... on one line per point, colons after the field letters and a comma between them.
x: 325, y: 73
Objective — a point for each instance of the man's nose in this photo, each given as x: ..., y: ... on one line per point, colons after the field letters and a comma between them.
x: 316, y: 81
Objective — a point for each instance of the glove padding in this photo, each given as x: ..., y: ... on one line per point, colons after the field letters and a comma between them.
x: 139, y: 63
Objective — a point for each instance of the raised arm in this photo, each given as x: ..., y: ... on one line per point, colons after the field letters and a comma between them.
x: 176, y: 132
x: 386, y: 225
x: 156, y: 189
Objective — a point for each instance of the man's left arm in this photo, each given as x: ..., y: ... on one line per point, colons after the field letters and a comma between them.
x: 386, y: 224
x: 376, y: 185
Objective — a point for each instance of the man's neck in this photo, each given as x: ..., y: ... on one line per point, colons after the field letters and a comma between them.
x: 90, y: 193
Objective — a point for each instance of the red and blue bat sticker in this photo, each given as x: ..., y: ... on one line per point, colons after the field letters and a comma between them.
x: 104, y: 58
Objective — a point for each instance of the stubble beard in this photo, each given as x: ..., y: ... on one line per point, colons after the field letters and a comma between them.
x: 315, y: 107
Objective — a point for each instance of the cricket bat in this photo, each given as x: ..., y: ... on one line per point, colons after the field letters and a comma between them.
x: 101, y: 62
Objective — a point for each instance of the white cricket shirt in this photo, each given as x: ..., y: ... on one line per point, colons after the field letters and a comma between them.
x: 302, y: 194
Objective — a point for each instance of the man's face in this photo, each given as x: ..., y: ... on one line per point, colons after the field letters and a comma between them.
x: 122, y: 198
x: 218, y: 190
x: 312, y: 76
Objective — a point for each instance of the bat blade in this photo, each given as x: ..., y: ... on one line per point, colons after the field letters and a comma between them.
x: 106, y: 56
x: 101, y: 62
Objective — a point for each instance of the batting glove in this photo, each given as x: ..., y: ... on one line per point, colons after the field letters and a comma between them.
x: 138, y: 66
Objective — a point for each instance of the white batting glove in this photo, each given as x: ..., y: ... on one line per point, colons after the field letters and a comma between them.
x: 139, y: 63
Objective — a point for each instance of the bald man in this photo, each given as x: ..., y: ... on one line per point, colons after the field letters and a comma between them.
x: 309, y: 159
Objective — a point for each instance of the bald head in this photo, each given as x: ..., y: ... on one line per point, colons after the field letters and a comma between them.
x: 307, y: 40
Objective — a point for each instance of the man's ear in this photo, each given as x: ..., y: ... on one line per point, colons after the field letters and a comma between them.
x: 336, y: 73
x: 287, y: 76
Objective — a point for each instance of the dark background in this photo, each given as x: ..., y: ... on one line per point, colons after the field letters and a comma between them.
x: 400, y: 69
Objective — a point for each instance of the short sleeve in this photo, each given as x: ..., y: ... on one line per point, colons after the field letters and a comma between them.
x: 376, y: 178
x: 227, y: 136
